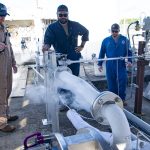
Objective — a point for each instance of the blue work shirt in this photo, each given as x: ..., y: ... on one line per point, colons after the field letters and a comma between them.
x: 55, y: 35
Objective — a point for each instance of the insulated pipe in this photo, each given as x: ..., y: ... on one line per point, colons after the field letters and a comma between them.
x: 119, y: 125
x: 104, y: 138
x: 102, y: 105
x: 84, y: 93
x: 121, y: 132
x: 38, y: 73
x: 105, y: 110
x: 79, y: 123
x: 138, y: 123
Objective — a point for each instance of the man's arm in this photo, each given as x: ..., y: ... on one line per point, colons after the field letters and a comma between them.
x: 129, y: 51
x: 82, y: 44
x: 48, y: 39
x: 80, y: 48
x: 45, y: 47
x: 83, y: 32
x: 85, y: 37
x: 15, y: 69
x: 102, y: 53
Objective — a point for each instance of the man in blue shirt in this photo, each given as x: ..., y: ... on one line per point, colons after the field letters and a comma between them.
x: 116, y: 45
x: 63, y: 36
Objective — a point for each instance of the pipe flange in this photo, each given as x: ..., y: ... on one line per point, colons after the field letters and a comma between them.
x: 104, y: 98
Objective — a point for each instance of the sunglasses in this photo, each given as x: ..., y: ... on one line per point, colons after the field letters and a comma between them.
x: 114, y: 31
x: 63, y: 15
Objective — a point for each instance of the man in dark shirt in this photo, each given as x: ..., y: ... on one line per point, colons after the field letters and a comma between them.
x: 63, y: 36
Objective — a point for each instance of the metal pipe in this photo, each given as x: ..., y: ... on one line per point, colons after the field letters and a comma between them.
x: 147, y: 57
x: 141, y: 63
x: 138, y: 123
x: 104, y: 138
x: 37, y: 72
x: 76, y: 85
x: 133, y: 38
x: 102, y: 105
x: 137, y: 27
x: 104, y: 59
x: 37, y: 59
x: 52, y: 108
x: 121, y: 132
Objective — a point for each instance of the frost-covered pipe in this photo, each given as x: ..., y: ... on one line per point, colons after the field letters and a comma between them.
x: 79, y: 123
x: 104, y: 107
x: 119, y: 125
x: 84, y: 93
x: 120, y: 136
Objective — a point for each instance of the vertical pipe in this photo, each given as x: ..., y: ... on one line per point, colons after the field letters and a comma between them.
x: 37, y: 62
x: 140, y: 79
x: 51, y: 96
x: 47, y: 84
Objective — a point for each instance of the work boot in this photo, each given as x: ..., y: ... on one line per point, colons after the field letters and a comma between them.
x: 12, y: 118
x: 8, y: 128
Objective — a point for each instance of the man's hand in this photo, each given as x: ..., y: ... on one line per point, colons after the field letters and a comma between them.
x: 2, y: 46
x: 15, y: 69
x: 78, y: 49
x: 100, y: 68
x: 129, y: 64
x: 45, y: 47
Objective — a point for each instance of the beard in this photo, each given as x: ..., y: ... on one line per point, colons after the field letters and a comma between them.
x: 63, y: 20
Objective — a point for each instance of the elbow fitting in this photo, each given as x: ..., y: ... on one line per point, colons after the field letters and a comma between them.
x: 105, y: 98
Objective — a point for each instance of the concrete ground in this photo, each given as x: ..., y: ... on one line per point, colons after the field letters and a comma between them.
x: 31, y: 115
x: 29, y: 122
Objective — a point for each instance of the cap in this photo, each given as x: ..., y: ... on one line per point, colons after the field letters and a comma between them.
x: 62, y: 8
x: 115, y: 27
x: 3, y: 10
